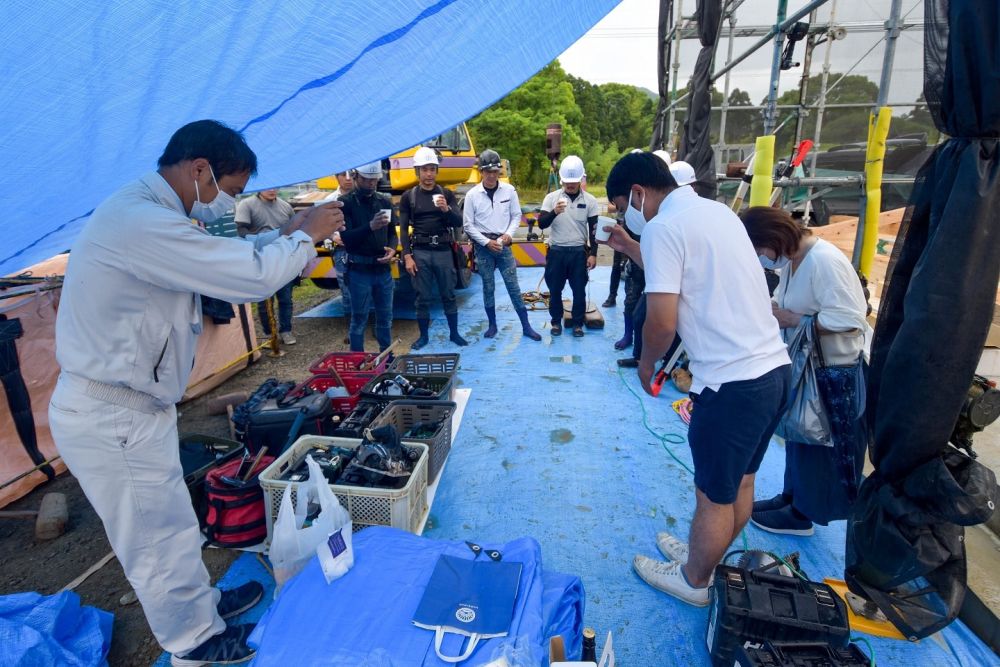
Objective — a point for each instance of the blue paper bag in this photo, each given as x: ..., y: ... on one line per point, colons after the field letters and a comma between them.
x: 468, y: 597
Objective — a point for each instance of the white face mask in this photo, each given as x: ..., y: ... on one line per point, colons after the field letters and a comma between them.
x: 773, y: 264
x: 635, y: 220
x: 216, y: 208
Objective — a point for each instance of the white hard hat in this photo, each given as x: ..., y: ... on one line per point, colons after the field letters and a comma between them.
x: 425, y: 155
x: 370, y: 170
x: 683, y: 173
x: 571, y: 169
x: 663, y: 155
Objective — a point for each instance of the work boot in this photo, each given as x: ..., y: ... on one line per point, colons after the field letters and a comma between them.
x: 237, y: 600
x: 424, y: 323
x: 491, y: 316
x: 226, y: 648
x: 626, y: 340
x: 455, y: 337
x: 610, y: 302
x: 526, y: 326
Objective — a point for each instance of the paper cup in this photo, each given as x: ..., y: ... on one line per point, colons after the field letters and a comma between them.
x: 600, y: 234
x: 387, y: 212
x: 437, y: 199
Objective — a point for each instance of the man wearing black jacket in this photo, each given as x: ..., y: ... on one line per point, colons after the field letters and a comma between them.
x: 370, y: 240
x: 427, y: 213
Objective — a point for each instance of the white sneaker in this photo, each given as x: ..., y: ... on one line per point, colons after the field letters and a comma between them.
x: 288, y: 338
x: 671, y: 547
x: 667, y: 577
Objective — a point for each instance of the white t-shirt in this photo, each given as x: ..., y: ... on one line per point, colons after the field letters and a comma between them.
x: 826, y: 283
x: 699, y: 249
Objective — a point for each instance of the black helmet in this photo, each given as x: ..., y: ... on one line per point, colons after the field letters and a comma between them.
x: 489, y: 160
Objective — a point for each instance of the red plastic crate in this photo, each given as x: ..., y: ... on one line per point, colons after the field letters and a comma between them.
x: 342, y: 404
x: 348, y: 362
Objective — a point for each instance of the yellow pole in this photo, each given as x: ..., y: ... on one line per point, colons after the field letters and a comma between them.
x: 763, y: 172
x: 878, y: 130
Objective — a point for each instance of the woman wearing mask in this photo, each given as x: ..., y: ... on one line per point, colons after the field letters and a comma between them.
x: 816, y: 279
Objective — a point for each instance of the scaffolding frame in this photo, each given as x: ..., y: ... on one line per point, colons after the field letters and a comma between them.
x: 682, y: 27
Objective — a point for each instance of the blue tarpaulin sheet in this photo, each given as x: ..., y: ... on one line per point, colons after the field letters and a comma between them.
x: 40, y: 630
x: 92, y: 91
x: 552, y: 445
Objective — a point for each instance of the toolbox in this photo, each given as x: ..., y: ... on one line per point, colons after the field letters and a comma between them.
x: 199, y: 454
x: 271, y: 425
x: 748, y: 605
x: 800, y: 654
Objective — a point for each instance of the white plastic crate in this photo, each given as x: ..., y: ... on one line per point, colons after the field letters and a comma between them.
x: 399, y: 508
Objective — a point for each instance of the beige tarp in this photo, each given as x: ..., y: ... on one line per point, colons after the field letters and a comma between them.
x: 218, y: 346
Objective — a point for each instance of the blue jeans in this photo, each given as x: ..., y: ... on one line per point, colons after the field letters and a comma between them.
x: 369, y: 285
x: 284, y: 296
x: 340, y: 264
x: 487, y: 263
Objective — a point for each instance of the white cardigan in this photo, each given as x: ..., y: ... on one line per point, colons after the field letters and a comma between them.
x: 826, y: 284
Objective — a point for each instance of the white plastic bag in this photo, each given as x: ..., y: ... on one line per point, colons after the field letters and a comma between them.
x: 292, y: 545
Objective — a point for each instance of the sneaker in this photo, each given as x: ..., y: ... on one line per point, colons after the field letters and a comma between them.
x: 578, y: 332
x: 288, y: 338
x: 228, y: 648
x: 237, y: 600
x: 628, y: 362
x: 782, y: 521
x: 556, y: 329
x: 610, y: 302
x: 775, y: 503
x: 668, y: 577
x: 671, y: 547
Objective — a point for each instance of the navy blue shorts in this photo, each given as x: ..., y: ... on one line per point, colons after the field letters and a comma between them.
x: 730, y: 430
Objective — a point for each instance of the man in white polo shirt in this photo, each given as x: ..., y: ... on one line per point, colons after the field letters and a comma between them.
x: 703, y: 281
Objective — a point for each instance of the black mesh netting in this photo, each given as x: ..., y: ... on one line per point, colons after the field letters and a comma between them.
x: 905, y: 545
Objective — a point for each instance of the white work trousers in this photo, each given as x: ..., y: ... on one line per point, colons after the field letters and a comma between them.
x: 128, y: 465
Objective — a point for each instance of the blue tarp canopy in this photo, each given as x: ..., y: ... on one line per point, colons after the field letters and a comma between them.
x: 92, y: 91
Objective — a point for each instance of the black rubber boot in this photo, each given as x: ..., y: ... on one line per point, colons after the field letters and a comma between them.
x: 491, y: 316
x: 526, y: 325
x: 456, y: 337
x: 424, y: 324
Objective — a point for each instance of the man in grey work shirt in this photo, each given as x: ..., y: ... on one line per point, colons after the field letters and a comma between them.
x: 570, y: 214
x: 128, y: 322
x: 263, y: 212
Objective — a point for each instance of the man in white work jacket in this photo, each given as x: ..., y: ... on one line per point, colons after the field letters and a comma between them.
x: 128, y: 321
x: 491, y: 215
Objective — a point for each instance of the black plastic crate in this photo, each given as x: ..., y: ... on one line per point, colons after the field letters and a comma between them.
x: 800, y: 654
x: 404, y: 415
x: 441, y: 385
x: 748, y: 605
x: 426, y: 364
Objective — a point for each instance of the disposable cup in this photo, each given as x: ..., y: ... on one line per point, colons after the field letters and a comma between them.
x: 600, y: 234
x: 387, y: 212
x: 437, y: 199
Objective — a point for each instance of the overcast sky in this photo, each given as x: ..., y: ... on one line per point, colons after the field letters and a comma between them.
x: 622, y: 47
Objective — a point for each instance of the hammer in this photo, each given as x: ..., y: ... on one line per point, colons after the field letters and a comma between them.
x: 50, y: 519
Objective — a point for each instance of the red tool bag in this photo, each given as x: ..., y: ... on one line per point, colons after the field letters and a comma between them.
x: 235, y: 514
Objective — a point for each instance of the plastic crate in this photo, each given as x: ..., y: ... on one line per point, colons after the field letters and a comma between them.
x: 403, y: 415
x: 426, y: 364
x: 348, y: 362
x: 364, y: 413
x: 442, y: 384
x: 399, y: 508
x: 342, y: 404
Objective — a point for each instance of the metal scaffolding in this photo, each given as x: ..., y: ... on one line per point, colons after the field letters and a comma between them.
x: 681, y: 28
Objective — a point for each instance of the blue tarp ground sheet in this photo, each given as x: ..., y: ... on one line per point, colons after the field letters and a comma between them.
x: 40, y: 630
x: 552, y: 446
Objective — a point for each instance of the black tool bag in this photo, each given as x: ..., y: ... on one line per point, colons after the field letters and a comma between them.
x: 271, y: 425
x: 270, y: 389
